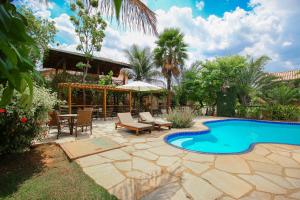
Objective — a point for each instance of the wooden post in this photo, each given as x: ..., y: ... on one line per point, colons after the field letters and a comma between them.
x: 130, y: 96
x: 151, y: 103
x: 70, y: 99
x: 104, y: 104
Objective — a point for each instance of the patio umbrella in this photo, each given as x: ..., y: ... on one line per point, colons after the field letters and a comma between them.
x: 140, y: 86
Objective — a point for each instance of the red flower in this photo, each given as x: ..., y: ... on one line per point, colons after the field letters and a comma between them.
x: 2, y: 110
x: 23, y: 120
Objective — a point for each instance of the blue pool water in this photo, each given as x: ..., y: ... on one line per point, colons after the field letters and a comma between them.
x: 236, y: 136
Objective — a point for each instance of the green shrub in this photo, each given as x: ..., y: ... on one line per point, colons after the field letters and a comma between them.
x: 270, y: 112
x: 181, y: 118
x: 20, y: 126
x: 254, y: 112
x: 106, y: 79
x: 283, y: 112
x: 241, y: 111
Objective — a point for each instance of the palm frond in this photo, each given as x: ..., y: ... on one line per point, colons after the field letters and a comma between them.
x: 132, y: 14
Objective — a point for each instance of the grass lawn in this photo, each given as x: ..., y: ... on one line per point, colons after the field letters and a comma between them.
x: 45, y: 173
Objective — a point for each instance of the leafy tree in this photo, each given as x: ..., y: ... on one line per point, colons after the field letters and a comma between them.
x: 170, y: 54
x: 15, y: 63
x: 106, y: 79
x: 190, y: 84
x: 41, y: 30
x: 89, y: 27
x: 142, y: 64
x: 282, y: 95
x: 219, y: 75
x: 205, y: 82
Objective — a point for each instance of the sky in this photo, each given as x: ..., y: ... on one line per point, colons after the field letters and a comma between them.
x: 212, y: 28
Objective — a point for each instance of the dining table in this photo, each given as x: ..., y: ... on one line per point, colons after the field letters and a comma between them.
x: 70, y: 118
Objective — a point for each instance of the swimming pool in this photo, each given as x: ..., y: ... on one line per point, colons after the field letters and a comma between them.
x: 235, y: 136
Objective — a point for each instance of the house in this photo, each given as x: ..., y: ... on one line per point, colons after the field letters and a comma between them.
x: 58, y: 60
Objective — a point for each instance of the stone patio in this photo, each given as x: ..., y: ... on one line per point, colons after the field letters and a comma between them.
x: 147, y: 168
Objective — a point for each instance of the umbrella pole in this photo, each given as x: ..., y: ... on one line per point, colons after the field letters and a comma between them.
x: 139, y: 102
x: 151, y: 103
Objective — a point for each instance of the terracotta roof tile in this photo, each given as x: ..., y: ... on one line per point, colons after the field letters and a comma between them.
x: 288, y: 75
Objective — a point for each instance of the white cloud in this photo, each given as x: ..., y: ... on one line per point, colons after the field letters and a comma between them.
x: 287, y: 43
x: 200, y: 5
x: 65, y: 29
x: 269, y: 28
x: 38, y: 8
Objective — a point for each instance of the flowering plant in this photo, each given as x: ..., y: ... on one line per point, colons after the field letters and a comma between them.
x: 19, y: 125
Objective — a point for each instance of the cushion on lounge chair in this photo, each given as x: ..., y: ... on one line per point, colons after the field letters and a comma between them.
x: 162, y: 122
x: 137, y: 125
x: 146, y: 116
x: 125, y: 118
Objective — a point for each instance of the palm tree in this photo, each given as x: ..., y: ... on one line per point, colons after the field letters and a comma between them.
x: 283, y: 95
x: 252, y: 80
x: 170, y: 54
x: 142, y: 64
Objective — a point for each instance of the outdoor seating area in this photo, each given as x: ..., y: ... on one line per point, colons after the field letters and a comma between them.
x: 83, y: 118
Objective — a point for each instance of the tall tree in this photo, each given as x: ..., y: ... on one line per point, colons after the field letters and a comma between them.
x: 217, y: 76
x: 89, y: 27
x: 142, y: 64
x: 41, y: 30
x: 170, y: 54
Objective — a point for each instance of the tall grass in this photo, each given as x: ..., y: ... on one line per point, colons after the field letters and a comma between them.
x: 181, y: 118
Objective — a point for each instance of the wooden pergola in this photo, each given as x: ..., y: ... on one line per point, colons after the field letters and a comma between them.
x: 104, y: 89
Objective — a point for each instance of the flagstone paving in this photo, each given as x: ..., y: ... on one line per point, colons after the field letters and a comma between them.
x: 147, y: 168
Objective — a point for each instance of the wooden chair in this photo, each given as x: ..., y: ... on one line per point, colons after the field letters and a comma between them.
x: 84, y: 119
x: 55, y: 121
